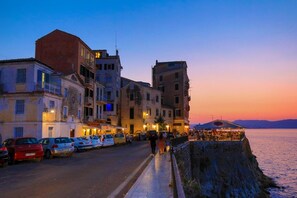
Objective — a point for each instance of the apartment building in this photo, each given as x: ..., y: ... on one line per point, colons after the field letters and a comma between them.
x: 172, y: 80
x: 141, y: 108
x: 36, y: 101
x: 109, y: 74
x: 68, y: 54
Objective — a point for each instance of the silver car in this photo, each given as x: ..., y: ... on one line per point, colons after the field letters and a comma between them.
x: 60, y: 146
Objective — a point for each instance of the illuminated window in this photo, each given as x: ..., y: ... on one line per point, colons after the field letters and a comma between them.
x: 97, y: 55
x: 82, y: 51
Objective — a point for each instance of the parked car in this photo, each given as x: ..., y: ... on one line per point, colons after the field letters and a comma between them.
x: 95, y: 140
x: 4, y: 157
x: 107, y: 140
x: 61, y: 146
x: 26, y: 148
x: 119, y: 138
x: 81, y: 144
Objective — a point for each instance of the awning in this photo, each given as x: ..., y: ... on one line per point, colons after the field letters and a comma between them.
x: 218, y: 124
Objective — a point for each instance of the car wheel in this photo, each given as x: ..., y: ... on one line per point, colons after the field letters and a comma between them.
x: 39, y: 159
x: 48, y: 154
x: 76, y: 149
x: 69, y: 154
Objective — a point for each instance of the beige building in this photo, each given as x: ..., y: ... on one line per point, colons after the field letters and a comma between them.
x: 36, y: 101
x: 172, y: 80
x: 141, y: 107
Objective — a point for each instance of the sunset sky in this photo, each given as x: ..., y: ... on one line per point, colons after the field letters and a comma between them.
x: 241, y: 55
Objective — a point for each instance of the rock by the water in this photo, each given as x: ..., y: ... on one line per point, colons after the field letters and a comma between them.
x: 221, y: 169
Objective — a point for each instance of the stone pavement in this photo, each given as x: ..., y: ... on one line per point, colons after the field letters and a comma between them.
x: 155, y: 181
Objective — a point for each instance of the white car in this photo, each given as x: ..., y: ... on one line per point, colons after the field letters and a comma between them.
x: 107, y: 140
x: 95, y: 140
x: 81, y: 144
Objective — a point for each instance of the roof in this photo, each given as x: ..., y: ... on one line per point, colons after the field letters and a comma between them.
x: 18, y: 60
x: 218, y: 124
x: 71, y: 35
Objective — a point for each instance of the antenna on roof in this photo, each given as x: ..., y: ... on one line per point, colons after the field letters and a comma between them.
x: 116, y: 42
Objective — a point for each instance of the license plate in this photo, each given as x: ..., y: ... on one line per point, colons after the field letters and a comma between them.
x: 30, y: 154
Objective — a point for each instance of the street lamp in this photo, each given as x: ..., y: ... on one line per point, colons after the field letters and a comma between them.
x: 167, y: 127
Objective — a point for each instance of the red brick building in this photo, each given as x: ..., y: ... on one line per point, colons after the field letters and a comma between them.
x: 68, y: 54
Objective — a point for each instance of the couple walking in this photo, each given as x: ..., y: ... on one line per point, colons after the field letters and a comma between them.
x: 153, y: 142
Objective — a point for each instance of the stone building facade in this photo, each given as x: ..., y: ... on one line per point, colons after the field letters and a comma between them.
x: 172, y: 80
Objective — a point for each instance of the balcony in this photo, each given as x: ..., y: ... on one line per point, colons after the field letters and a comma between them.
x: 89, y: 101
x: 89, y: 64
x: 49, y: 88
x: 89, y: 82
x: 101, y: 100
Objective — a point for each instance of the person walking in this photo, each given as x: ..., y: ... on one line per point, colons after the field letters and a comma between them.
x: 161, y: 144
x: 153, y: 138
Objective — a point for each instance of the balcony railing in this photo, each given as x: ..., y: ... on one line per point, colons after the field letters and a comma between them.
x: 89, y: 81
x: 88, y: 101
x: 47, y: 87
x: 101, y: 100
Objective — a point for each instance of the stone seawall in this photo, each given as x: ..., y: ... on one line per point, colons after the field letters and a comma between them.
x: 221, y: 169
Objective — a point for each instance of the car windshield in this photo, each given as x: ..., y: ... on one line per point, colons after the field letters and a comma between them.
x: 26, y: 141
x: 62, y: 140
x: 95, y: 137
x: 108, y: 136
x: 119, y: 135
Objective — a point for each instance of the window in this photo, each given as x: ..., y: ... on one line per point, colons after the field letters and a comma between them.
x: 65, y: 111
x: 91, y: 93
x: 51, y: 104
x: 92, y: 75
x: 112, y: 66
x: 117, y: 93
x: 131, y: 96
x: 131, y: 113
x: 105, y: 66
x: 65, y: 92
x: 78, y: 114
x: 176, y: 75
x: 21, y: 76
x: 169, y: 114
x: 131, y: 128
x: 19, y: 106
x: 161, y: 78
x: 177, y: 113
x: 176, y: 99
x: 97, y: 55
x: 82, y: 51
x: 148, y: 96
x: 18, y: 132
x: 149, y: 112
x: 82, y: 70
x: 79, y: 99
x: 157, y: 98
x: 164, y: 113
x: 157, y: 112
x: 90, y: 111
x: 108, y: 107
x: 176, y: 87
x: 108, y: 95
x: 50, y: 131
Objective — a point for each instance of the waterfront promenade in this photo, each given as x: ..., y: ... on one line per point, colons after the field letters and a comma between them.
x: 156, y: 179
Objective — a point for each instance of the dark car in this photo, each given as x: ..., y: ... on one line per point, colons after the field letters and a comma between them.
x: 26, y: 148
x: 3, y: 155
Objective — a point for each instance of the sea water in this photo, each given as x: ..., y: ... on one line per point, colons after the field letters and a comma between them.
x: 276, y: 152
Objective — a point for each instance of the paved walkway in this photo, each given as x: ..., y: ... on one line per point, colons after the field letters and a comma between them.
x: 155, y: 180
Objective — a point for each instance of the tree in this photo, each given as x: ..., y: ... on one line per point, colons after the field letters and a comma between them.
x: 161, y: 122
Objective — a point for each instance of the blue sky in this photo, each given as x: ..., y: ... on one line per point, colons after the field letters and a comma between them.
x: 254, y: 40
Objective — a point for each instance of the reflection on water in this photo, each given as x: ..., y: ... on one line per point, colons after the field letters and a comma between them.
x: 276, y: 151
